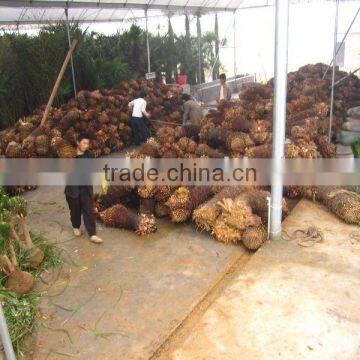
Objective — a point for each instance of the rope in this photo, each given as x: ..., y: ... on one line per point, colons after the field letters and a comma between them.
x: 355, y: 238
x: 312, y: 235
x: 308, y: 237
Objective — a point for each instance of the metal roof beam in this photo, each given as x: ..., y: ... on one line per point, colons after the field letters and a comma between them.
x: 76, y: 20
x: 108, y: 5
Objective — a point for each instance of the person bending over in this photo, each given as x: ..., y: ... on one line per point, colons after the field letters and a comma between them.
x: 138, y: 128
x: 193, y: 112
x: 80, y: 198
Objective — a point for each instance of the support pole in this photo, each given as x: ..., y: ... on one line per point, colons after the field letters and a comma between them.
x: 333, y: 70
x: 71, y: 58
x: 280, y: 70
x: 234, y: 26
x: 342, y: 41
x: 57, y: 83
x: 198, y: 25
x: 147, y: 42
x: 346, y: 76
x: 5, y: 337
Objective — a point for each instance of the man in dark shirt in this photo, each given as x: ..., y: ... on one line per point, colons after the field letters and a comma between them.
x: 80, y: 198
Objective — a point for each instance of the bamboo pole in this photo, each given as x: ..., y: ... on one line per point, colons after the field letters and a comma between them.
x: 166, y: 122
x: 69, y: 41
x: 58, y: 82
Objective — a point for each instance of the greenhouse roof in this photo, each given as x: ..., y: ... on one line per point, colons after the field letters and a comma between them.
x: 17, y: 12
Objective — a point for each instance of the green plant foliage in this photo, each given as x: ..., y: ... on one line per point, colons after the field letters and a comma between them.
x: 20, y: 314
x: 20, y: 311
x: 355, y: 146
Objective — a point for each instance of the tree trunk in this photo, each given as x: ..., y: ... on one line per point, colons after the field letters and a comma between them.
x: 172, y: 53
x: 216, y: 70
x: 188, y: 57
x: 201, y: 73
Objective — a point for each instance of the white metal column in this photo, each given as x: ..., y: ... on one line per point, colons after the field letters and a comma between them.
x: 198, y: 26
x: 280, y: 70
x: 71, y: 58
x: 342, y: 41
x: 5, y: 337
x: 234, y: 26
x: 147, y: 42
x: 333, y: 70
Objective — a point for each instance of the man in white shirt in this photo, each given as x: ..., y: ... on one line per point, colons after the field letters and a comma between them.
x: 138, y: 128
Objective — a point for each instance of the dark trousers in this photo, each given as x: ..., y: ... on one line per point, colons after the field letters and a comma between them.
x: 82, y: 205
x: 138, y: 130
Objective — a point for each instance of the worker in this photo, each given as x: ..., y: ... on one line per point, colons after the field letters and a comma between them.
x: 80, y: 198
x: 225, y: 90
x: 138, y: 128
x: 193, y: 112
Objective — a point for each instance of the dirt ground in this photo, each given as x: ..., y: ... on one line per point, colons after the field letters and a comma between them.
x: 121, y: 299
x: 287, y: 302
x: 178, y: 294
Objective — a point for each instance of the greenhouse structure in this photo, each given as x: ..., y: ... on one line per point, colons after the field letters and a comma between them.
x: 21, y: 14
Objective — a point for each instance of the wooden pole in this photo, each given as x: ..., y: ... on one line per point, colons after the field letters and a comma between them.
x: 166, y: 122
x: 58, y: 82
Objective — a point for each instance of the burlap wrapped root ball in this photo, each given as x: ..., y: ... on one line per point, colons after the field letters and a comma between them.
x: 165, y: 135
x: 238, y: 214
x: 205, y: 215
x: 102, y: 114
x: 265, y: 151
x: 161, y: 210
x: 187, y: 145
x: 147, y: 191
x: 115, y: 194
x: 20, y: 282
x: 353, y: 188
x: 147, y: 206
x: 226, y: 233
x: 238, y: 141
x: 15, y: 150
x: 258, y: 202
x: 215, y: 136
x: 179, y: 199
x: 342, y: 202
x: 243, y: 218
x: 62, y: 148
x: 184, y: 200
x: 163, y: 192
x: 189, y: 131
x: 120, y: 217
x: 254, y: 237
x: 204, y: 150
x: 150, y: 148
x: 326, y: 148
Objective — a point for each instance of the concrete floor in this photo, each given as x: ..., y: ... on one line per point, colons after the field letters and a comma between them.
x: 287, y: 302
x: 121, y: 299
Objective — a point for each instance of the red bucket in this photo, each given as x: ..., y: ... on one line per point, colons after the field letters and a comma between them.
x: 182, y: 79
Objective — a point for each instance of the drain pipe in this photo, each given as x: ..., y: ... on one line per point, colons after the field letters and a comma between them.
x: 280, y: 90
